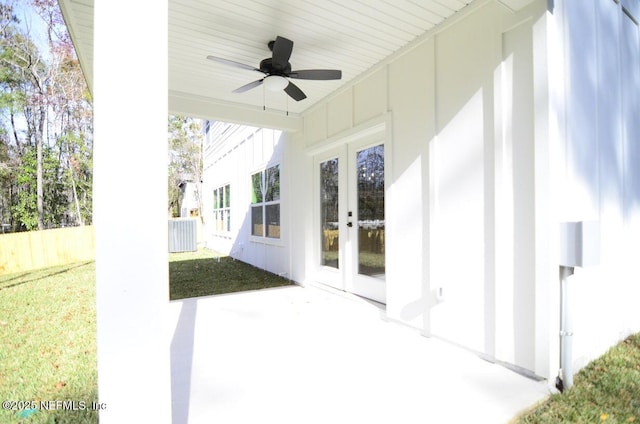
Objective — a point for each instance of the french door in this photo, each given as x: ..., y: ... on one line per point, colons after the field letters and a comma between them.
x: 351, y: 224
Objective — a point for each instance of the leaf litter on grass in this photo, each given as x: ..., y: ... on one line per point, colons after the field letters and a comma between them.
x: 47, y: 341
x: 606, y: 390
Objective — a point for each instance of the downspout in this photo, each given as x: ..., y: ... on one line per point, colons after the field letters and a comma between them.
x: 579, y: 246
x: 565, y: 377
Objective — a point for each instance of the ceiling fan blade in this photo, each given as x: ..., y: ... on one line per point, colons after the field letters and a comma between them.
x: 316, y: 74
x: 232, y: 63
x: 249, y: 86
x: 295, y: 92
x: 282, y: 49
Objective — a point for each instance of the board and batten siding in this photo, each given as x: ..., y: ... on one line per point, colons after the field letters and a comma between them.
x: 461, y: 103
x: 597, y: 171
x: 234, y: 157
x: 499, y: 125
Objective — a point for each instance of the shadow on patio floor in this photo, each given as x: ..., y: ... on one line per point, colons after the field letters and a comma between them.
x: 304, y: 355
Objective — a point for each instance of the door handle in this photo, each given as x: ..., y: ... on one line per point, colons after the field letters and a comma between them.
x: 349, y: 224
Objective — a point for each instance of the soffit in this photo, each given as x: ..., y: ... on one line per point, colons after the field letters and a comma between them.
x: 351, y: 35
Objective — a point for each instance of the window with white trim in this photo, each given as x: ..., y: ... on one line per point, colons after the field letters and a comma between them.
x: 222, y: 209
x: 265, y: 203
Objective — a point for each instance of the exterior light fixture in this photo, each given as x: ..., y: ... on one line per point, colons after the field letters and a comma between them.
x: 275, y: 82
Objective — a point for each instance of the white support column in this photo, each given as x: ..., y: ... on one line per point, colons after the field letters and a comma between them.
x: 130, y: 201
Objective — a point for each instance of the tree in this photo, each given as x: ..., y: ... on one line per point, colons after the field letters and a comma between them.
x: 185, y: 158
x: 28, y: 77
x: 5, y: 178
x: 45, y: 122
x: 26, y: 206
x: 25, y: 78
x: 70, y: 106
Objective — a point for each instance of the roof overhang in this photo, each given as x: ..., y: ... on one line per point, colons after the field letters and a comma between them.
x: 349, y: 35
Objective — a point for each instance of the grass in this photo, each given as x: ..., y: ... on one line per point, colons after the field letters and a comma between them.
x: 607, y: 391
x: 48, y: 330
x: 48, y: 343
x: 203, y: 273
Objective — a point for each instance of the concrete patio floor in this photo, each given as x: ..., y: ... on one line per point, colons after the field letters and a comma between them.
x: 306, y: 355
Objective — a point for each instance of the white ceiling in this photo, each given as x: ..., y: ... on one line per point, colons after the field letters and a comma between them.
x: 351, y: 35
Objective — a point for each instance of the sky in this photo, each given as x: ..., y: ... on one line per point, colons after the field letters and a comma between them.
x: 30, y: 20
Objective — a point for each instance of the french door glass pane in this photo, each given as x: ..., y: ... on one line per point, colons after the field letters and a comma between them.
x: 370, y: 187
x: 329, y: 212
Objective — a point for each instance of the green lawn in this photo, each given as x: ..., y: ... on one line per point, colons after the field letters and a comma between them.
x: 605, y: 391
x: 204, y: 273
x: 48, y: 331
x: 48, y: 344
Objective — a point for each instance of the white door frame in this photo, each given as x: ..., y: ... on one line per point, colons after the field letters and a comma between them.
x: 368, y: 286
x: 334, y: 277
x: 344, y: 147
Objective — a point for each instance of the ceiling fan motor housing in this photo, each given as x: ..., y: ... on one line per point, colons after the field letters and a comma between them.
x: 266, y: 66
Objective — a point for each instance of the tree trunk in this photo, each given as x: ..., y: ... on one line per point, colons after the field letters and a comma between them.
x: 39, y: 171
x: 15, y: 133
x: 75, y: 198
x: 74, y: 190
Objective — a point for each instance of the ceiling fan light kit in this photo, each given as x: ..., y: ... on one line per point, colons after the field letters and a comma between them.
x: 278, y: 71
x: 275, y: 82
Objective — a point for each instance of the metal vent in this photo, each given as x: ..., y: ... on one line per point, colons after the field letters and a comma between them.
x: 182, y: 235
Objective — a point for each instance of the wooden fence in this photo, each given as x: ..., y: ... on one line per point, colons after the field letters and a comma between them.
x: 26, y: 251
x: 370, y: 240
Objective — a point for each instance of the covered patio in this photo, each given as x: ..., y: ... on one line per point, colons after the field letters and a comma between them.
x: 294, y: 355
x: 308, y: 355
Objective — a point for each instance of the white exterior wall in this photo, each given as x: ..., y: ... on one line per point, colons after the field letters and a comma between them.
x: 598, y: 163
x: 460, y: 207
x: 498, y: 126
x: 231, y: 159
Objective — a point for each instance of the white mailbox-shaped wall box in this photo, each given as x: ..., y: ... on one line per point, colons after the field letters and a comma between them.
x: 580, y: 243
